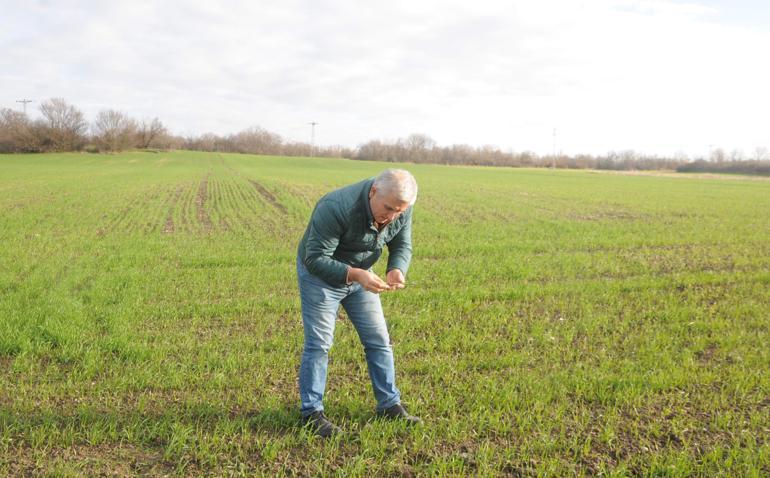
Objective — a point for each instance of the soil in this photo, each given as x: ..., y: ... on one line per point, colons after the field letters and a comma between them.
x: 169, y: 227
x: 269, y: 197
x: 200, y: 202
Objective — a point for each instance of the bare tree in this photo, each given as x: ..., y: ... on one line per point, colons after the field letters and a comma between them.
x: 11, y: 125
x: 736, y: 155
x: 14, y: 131
x: 114, y: 131
x: 204, y: 142
x: 150, y: 133
x: 301, y: 149
x: 718, y: 155
x: 255, y: 140
x: 760, y: 153
x: 418, y: 146
x: 370, y: 151
x: 66, y: 125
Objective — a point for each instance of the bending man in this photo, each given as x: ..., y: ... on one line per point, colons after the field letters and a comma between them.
x: 347, y: 231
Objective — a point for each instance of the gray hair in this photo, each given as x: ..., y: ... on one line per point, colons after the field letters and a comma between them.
x: 398, y: 183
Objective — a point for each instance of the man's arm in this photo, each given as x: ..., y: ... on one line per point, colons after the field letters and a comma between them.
x: 400, y: 246
x: 326, y: 228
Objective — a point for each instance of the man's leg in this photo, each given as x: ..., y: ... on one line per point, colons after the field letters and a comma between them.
x: 320, y: 304
x: 365, y: 312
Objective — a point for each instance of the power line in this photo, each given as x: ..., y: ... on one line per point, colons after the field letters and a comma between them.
x: 553, y: 156
x: 25, y: 101
x: 312, y: 137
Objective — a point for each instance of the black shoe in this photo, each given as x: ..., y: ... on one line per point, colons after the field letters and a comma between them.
x: 398, y: 412
x: 320, y: 425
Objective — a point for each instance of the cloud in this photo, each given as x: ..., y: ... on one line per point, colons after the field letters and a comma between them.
x: 658, y: 76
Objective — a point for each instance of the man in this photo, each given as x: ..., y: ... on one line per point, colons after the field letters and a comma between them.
x: 345, y: 237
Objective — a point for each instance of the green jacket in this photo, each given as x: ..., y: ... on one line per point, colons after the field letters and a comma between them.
x: 341, y: 233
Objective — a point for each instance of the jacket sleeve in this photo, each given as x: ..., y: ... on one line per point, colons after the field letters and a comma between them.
x: 326, y: 228
x: 400, y: 246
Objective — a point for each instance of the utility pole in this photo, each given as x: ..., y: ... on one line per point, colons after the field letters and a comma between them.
x: 25, y: 101
x: 553, y: 156
x: 312, y: 138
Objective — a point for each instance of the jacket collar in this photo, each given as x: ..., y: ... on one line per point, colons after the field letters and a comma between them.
x: 367, y: 206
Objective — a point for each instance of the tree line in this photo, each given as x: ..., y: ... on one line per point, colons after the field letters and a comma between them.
x: 63, y: 127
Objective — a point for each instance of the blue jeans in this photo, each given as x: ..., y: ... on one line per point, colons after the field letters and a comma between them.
x: 320, y: 303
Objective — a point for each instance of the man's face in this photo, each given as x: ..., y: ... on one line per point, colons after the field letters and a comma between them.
x: 385, y: 208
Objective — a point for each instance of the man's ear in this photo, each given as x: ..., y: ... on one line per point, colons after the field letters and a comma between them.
x: 372, y: 192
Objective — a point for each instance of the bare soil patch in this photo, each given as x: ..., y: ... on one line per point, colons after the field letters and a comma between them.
x: 200, y: 203
x: 656, y: 426
x: 707, y: 355
x: 95, y: 460
x: 269, y: 197
x: 169, y: 227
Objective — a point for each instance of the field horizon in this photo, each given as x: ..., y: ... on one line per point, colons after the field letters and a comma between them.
x: 554, y: 323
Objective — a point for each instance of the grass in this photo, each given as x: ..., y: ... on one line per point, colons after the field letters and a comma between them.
x: 558, y: 323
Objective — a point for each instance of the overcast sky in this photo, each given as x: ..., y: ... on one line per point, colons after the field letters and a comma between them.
x: 655, y: 76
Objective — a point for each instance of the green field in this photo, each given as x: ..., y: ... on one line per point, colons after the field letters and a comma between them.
x: 556, y: 323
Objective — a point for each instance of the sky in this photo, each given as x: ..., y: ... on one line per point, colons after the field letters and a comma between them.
x: 656, y: 76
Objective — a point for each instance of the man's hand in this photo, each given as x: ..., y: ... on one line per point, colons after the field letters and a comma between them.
x: 369, y: 280
x: 395, y: 279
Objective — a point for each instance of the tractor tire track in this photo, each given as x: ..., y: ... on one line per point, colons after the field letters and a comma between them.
x: 200, y: 203
x: 269, y: 197
x: 169, y: 225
